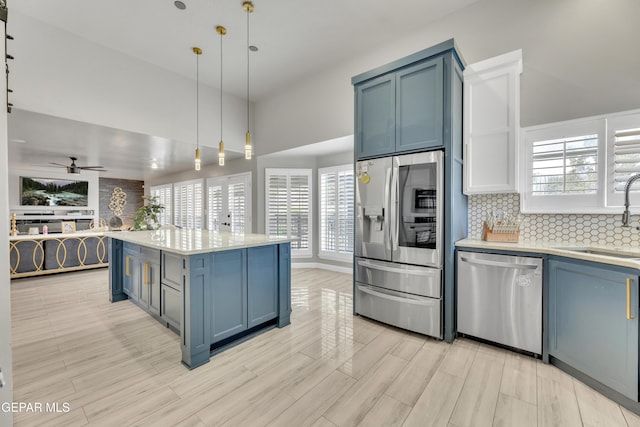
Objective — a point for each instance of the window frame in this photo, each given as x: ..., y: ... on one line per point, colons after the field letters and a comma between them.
x: 564, y: 203
x: 289, y: 172
x: 608, y: 201
x: 166, y: 217
x: 616, y: 123
x: 334, y: 255
x: 201, y: 217
x: 225, y: 181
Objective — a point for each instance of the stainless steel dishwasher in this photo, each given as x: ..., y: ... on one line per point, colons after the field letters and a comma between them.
x: 500, y: 299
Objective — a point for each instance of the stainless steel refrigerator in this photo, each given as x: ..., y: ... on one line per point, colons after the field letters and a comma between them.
x: 398, y: 250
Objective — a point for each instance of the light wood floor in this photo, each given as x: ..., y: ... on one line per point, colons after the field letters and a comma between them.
x: 116, y: 366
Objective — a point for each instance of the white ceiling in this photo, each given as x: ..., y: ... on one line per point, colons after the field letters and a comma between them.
x: 295, y: 39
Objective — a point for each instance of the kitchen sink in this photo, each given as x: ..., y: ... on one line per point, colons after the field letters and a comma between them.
x: 616, y: 253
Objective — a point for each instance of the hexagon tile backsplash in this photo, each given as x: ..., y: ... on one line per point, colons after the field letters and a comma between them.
x: 586, y: 229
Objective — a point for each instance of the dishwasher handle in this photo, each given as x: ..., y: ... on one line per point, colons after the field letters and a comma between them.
x: 490, y: 263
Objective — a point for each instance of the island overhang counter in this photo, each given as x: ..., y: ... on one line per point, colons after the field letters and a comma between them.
x: 216, y: 288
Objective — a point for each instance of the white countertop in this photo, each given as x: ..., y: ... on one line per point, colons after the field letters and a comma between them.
x: 560, y: 248
x: 190, y: 242
x: 56, y: 235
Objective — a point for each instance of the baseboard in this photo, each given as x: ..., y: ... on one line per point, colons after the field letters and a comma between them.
x: 322, y: 266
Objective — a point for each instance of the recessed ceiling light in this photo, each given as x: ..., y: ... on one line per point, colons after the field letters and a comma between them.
x: 180, y: 5
x: 253, y: 48
x: 19, y: 141
x: 154, y: 165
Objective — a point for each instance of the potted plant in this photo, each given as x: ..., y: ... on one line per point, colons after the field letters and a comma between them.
x: 146, y: 217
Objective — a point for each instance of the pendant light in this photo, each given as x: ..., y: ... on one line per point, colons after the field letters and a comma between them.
x: 247, y: 6
x: 198, y: 52
x: 222, y: 31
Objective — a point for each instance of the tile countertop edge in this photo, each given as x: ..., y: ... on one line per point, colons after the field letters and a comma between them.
x: 176, y: 245
x: 556, y: 248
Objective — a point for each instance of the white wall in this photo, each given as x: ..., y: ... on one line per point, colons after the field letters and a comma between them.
x: 14, y: 189
x: 88, y: 82
x: 577, y: 56
x: 6, y: 392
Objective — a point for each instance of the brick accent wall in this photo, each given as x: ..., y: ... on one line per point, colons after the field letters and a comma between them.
x: 134, y: 191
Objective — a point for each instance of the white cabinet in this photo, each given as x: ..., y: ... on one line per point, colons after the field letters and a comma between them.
x: 492, y: 124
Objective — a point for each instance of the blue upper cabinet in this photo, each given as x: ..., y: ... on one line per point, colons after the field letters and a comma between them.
x: 402, y: 106
x: 375, y: 117
x: 419, y: 101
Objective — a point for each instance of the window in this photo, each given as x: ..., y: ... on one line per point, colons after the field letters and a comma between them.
x: 581, y: 166
x: 623, y: 133
x: 165, y: 198
x: 288, y: 207
x: 565, y: 164
x: 188, y: 204
x: 229, y: 203
x: 336, y: 212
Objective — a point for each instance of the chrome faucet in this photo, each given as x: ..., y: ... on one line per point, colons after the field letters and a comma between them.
x: 627, y: 186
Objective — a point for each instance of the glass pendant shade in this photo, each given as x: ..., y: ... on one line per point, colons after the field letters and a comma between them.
x: 247, y: 147
x: 221, y: 153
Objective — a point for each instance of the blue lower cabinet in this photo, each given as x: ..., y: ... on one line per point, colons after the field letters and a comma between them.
x: 262, y: 276
x: 131, y: 273
x: 228, y: 294
x: 150, y: 281
x: 593, y: 321
x: 171, y: 305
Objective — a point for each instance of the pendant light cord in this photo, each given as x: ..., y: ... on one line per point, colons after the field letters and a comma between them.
x: 197, y: 102
x: 248, y: 13
x: 221, y: 86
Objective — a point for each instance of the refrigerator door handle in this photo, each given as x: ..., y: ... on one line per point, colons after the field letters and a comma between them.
x: 369, y: 264
x: 395, y: 222
x: 390, y: 295
x: 387, y: 211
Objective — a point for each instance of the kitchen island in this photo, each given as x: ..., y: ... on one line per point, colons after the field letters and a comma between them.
x: 216, y: 288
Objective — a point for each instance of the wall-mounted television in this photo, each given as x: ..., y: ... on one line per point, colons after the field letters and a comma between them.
x: 53, y: 192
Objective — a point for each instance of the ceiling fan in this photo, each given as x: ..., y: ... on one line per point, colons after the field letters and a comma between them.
x: 73, y: 168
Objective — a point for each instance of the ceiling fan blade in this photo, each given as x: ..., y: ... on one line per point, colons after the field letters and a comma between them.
x: 58, y: 164
x: 93, y: 168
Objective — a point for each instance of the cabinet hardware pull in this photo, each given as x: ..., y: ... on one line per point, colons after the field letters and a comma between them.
x: 146, y: 273
x: 126, y: 266
x: 629, y: 316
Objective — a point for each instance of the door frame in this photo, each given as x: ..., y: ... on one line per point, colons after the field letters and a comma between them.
x: 225, y: 180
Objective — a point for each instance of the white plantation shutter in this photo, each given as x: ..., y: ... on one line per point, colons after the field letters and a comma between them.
x: 164, y: 194
x: 188, y: 204
x: 336, y: 211
x: 277, y: 205
x: 214, y: 208
x: 626, y: 162
x: 237, y: 206
x: 288, y: 207
x: 299, y: 201
x: 346, y: 209
x: 565, y: 166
